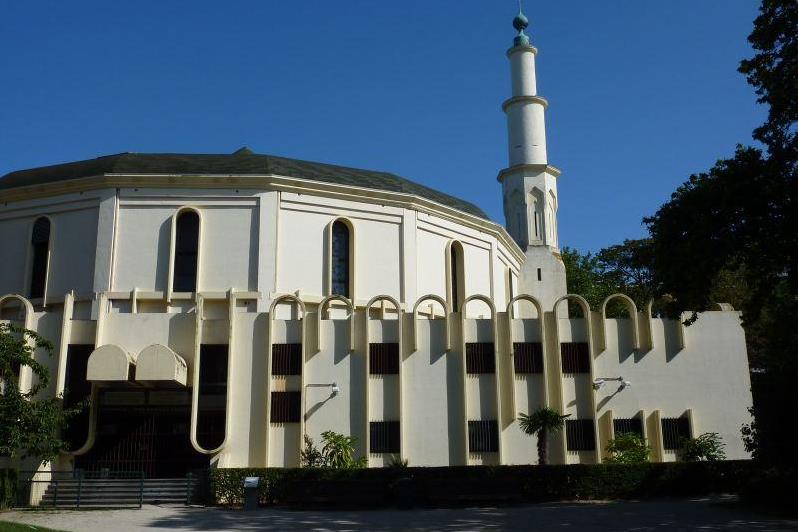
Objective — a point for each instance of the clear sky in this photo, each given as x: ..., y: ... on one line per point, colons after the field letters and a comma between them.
x: 641, y: 92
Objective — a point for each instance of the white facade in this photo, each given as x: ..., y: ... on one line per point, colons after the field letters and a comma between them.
x: 265, y: 277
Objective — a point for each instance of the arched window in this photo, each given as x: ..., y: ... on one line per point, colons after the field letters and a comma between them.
x: 186, y: 252
x: 456, y: 288
x: 340, y: 260
x: 40, y: 251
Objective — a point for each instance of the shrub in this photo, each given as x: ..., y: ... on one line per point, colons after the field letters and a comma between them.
x: 339, y: 451
x: 8, y: 488
x: 310, y: 456
x: 707, y: 447
x: 628, y: 448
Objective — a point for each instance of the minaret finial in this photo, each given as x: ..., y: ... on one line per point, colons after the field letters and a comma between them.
x: 520, y: 23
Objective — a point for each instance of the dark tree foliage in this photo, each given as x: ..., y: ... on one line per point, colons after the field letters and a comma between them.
x: 735, y: 225
x: 29, y: 425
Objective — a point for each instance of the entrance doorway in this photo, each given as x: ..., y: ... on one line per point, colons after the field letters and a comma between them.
x: 143, y: 430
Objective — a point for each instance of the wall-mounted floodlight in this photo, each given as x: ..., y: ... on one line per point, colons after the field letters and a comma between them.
x: 599, y: 382
x: 335, y: 388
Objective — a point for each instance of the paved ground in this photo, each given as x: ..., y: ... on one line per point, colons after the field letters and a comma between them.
x: 703, y: 514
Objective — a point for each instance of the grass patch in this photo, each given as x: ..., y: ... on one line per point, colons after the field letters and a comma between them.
x: 6, y: 526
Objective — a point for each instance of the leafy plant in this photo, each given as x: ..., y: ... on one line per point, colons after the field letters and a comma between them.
x: 628, y: 448
x: 29, y: 425
x: 540, y: 423
x: 339, y: 451
x: 310, y: 456
x: 398, y: 462
x: 707, y: 447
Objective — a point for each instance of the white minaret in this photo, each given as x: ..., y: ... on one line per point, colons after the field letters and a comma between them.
x: 530, y: 183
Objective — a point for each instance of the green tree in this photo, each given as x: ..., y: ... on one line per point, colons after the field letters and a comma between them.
x: 541, y: 423
x: 628, y: 448
x: 707, y: 447
x: 30, y: 426
x: 338, y: 451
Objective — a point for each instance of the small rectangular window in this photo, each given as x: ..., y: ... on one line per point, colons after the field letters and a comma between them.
x: 286, y: 407
x: 483, y: 436
x: 287, y: 359
x: 540, y: 274
x: 480, y: 358
x: 528, y: 357
x: 674, y: 431
x: 384, y: 437
x: 575, y: 357
x: 580, y: 435
x: 633, y: 425
x: 384, y: 358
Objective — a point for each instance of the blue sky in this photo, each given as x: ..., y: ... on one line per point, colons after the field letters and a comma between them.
x: 641, y: 93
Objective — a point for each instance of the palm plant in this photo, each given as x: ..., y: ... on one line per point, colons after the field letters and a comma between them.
x: 541, y: 422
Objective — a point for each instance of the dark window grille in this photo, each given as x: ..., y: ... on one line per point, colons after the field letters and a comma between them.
x: 212, y: 403
x: 480, y: 358
x: 528, y: 357
x: 483, y: 436
x: 340, y: 259
x: 580, y: 435
x: 384, y: 358
x: 674, y: 430
x: 40, y: 243
x: 384, y: 437
x: 186, y: 251
x: 634, y: 425
x: 287, y: 359
x: 575, y: 357
x: 286, y: 407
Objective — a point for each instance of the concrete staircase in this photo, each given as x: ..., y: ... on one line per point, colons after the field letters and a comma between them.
x: 118, y: 493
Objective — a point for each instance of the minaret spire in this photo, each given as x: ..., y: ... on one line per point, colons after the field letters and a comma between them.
x: 520, y: 23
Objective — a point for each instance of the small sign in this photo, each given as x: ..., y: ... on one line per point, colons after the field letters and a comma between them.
x: 251, y: 482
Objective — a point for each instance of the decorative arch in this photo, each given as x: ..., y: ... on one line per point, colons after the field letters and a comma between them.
x: 552, y: 219
x: 537, y: 206
x: 680, y: 327
x: 395, y: 304
x: 632, y: 308
x: 40, y: 242
x: 447, y: 311
x: 341, y: 259
x: 184, y: 253
x: 25, y: 374
x: 455, y: 274
x: 511, y: 341
x: 351, y: 319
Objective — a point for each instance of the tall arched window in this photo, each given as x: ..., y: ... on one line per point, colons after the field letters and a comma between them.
x: 40, y: 250
x: 340, y: 260
x: 456, y: 287
x: 186, y: 252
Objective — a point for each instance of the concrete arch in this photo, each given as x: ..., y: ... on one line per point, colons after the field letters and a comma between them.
x: 158, y: 362
x: 352, y: 256
x: 395, y: 304
x: 25, y: 373
x: 632, y: 308
x: 680, y: 327
x: 511, y: 341
x: 722, y: 307
x: 109, y: 363
x: 447, y: 311
x: 351, y: 319
x: 172, y: 243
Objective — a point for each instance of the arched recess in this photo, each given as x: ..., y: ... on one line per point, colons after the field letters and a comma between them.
x: 536, y: 210
x: 632, y: 308
x: 341, y: 258
x: 351, y: 319
x: 680, y: 327
x: 455, y: 274
x: 585, y: 306
x: 185, y: 252
x: 447, y: 311
x: 160, y: 363
x: 25, y: 373
x: 42, y: 233
x: 551, y: 207
x: 367, y: 343
x: 497, y: 398
x: 285, y: 298
x: 723, y: 307
x: 511, y: 342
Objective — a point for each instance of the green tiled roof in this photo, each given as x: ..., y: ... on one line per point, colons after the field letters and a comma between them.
x: 242, y: 162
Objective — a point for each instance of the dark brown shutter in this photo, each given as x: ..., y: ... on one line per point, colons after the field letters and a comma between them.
x: 287, y: 359
x: 480, y: 358
x: 633, y: 425
x: 483, y: 436
x: 580, y: 435
x: 575, y: 357
x: 286, y: 407
x: 674, y: 430
x: 384, y: 358
x: 528, y: 357
x: 384, y: 437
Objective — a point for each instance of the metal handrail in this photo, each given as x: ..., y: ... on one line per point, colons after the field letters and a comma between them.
x: 57, y: 477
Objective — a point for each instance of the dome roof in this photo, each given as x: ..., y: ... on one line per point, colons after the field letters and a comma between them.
x: 242, y: 162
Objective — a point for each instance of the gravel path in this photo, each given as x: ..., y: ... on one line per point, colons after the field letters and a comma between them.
x: 704, y: 514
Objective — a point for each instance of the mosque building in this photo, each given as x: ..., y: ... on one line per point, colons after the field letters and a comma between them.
x: 217, y: 308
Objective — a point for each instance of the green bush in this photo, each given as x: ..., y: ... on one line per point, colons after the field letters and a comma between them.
x: 8, y: 488
x: 628, y: 448
x: 441, y: 486
x: 707, y: 447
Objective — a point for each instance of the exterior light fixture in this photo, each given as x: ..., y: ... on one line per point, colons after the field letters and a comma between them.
x: 599, y: 382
